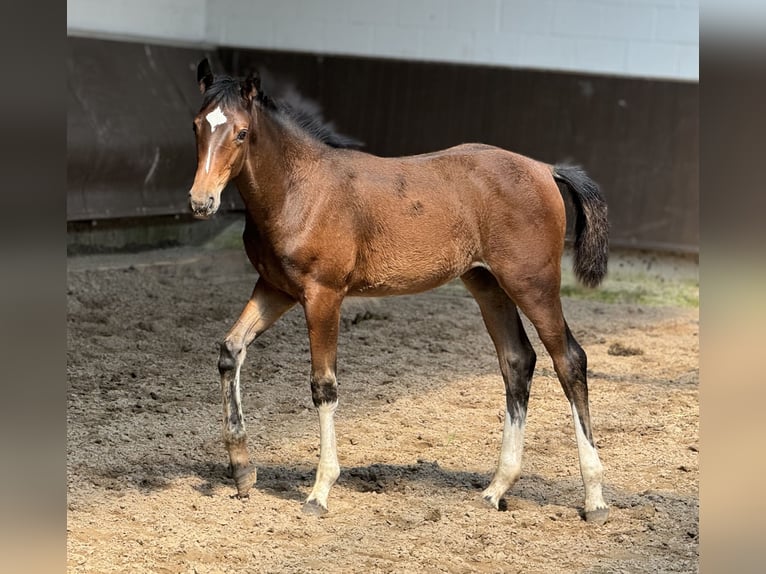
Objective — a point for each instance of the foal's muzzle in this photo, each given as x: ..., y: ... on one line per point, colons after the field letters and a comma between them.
x: 202, y: 209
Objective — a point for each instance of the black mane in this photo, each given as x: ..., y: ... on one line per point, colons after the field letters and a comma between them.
x: 290, y: 105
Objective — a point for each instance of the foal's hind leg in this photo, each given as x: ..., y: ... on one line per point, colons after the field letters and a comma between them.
x: 538, y: 298
x: 265, y: 306
x: 517, y: 363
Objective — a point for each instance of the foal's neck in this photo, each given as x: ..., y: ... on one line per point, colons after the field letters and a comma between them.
x: 277, y: 163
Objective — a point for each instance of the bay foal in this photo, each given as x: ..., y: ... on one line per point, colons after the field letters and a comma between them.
x: 325, y: 221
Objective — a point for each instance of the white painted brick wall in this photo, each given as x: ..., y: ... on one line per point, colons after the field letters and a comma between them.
x: 477, y: 16
x: 422, y: 14
x: 678, y: 25
x: 173, y: 20
x: 650, y: 38
x: 527, y: 17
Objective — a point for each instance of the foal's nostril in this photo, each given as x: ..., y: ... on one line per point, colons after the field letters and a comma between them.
x: 209, y: 203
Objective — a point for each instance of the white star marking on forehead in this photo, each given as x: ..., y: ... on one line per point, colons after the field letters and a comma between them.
x: 216, y: 118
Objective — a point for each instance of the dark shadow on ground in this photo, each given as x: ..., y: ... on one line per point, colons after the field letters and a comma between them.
x: 417, y: 480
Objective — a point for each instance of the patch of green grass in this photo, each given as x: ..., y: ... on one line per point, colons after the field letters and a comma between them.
x: 637, y: 289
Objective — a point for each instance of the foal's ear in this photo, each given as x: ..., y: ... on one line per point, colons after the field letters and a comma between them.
x: 251, y: 87
x: 204, y: 75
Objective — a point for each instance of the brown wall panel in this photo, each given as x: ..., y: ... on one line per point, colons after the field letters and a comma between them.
x: 129, y: 140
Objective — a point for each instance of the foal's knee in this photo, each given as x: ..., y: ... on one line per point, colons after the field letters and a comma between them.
x: 229, y: 356
x: 324, y: 389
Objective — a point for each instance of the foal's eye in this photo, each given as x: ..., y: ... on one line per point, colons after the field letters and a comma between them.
x: 241, y: 135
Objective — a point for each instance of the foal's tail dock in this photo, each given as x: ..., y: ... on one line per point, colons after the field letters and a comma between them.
x: 591, y: 246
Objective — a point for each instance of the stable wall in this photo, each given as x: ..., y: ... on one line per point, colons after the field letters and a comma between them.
x: 131, y: 151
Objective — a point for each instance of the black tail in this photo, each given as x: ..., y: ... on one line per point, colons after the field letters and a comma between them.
x: 591, y: 247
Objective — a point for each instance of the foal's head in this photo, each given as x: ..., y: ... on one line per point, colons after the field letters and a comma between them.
x: 225, y: 124
x: 223, y: 130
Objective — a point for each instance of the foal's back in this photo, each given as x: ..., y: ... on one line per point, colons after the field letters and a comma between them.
x: 419, y: 221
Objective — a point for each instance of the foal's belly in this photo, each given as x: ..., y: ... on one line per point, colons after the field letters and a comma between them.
x: 399, y: 285
x: 412, y: 268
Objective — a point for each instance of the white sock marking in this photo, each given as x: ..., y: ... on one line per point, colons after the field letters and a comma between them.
x: 238, y: 398
x: 328, y: 469
x: 232, y: 394
x: 509, y: 465
x: 590, y: 466
x: 513, y: 443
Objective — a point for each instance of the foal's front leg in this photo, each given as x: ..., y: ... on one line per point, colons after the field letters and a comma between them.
x: 265, y: 306
x: 322, y: 307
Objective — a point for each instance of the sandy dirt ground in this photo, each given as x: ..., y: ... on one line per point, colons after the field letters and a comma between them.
x: 419, y: 428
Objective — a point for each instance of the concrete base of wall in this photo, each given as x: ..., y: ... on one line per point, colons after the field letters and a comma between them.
x: 140, y: 234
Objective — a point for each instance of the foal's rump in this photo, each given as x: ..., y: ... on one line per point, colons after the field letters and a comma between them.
x: 517, y: 205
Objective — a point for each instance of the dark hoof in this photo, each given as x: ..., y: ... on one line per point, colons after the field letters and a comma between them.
x: 313, y: 508
x: 597, y: 516
x: 245, y: 478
